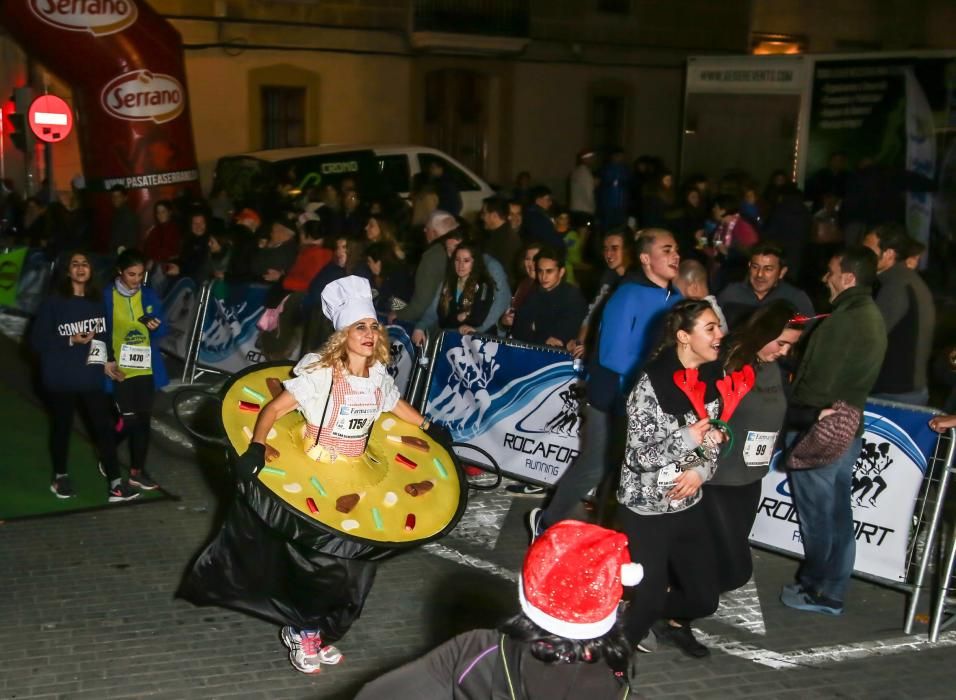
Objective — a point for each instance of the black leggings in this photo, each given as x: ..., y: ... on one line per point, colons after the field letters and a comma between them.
x: 679, y: 568
x: 98, y: 415
x: 730, y: 512
x: 134, y: 399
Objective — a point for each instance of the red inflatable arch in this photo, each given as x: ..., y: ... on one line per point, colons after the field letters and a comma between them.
x: 124, y: 63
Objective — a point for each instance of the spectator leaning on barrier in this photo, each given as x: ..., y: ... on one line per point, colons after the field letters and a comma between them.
x: 841, y: 363
x: 553, y: 311
x: 431, y: 268
x: 765, y: 284
x: 910, y: 317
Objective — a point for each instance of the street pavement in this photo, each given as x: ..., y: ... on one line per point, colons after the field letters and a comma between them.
x: 88, y: 607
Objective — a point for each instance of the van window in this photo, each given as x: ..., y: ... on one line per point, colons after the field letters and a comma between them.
x: 394, y: 171
x: 462, y: 181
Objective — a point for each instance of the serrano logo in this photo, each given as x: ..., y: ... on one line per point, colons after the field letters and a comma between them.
x: 142, y: 96
x: 98, y: 17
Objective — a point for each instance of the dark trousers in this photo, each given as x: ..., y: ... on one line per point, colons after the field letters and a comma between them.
x: 679, y: 568
x: 98, y: 415
x: 134, y: 399
x: 587, y: 471
x: 730, y: 513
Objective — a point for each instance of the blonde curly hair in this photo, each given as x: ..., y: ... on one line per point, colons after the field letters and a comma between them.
x: 334, y: 353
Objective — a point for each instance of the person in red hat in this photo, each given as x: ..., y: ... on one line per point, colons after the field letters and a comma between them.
x: 565, y: 643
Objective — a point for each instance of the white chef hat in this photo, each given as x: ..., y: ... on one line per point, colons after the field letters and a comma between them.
x: 347, y: 300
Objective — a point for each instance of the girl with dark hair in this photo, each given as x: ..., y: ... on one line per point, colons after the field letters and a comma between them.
x: 392, y: 284
x: 163, y: 239
x: 672, y: 449
x: 732, y: 495
x: 70, y: 337
x: 565, y: 643
x: 468, y: 292
x: 134, y: 324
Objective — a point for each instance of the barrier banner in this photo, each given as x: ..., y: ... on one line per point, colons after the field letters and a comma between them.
x: 401, y: 362
x: 517, y: 402
x: 887, y: 476
x: 180, y: 306
x: 11, y: 264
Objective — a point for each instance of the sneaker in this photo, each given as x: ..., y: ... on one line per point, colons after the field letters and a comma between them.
x: 122, y: 492
x: 140, y: 479
x: 535, y: 524
x: 525, y: 489
x: 306, y: 652
x: 810, y: 602
x: 62, y: 487
x: 648, y: 645
x: 681, y: 637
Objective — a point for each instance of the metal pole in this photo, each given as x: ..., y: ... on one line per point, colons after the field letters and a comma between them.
x: 48, y: 167
x: 931, y: 534
x: 936, y: 620
x: 195, y: 334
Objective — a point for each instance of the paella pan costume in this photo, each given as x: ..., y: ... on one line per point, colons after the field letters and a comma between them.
x: 340, y: 484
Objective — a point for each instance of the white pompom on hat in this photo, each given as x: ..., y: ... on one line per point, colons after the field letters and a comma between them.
x: 573, y: 577
x: 347, y: 300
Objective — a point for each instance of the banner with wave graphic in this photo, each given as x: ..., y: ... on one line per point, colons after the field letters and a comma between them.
x: 516, y: 401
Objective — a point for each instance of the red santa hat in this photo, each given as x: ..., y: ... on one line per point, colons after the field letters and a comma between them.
x: 571, y: 582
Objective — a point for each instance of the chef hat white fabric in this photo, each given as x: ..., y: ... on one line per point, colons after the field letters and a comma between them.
x: 347, y: 300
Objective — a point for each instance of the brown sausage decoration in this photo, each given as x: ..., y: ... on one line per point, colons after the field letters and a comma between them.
x: 420, y: 488
x: 345, y: 504
x: 410, y: 441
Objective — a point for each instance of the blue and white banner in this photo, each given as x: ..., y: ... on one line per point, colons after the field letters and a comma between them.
x: 897, y: 445
x: 517, y: 402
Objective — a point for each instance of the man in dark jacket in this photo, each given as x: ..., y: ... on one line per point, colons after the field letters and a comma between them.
x: 765, y: 283
x: 553, y: 311
x: 910, y: 317
x: 501, y: 242
x: 538, y: 226
x: 841, y: 363
x: 124, y: 226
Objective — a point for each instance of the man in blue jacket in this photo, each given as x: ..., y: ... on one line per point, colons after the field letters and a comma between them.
x: 629, y: 331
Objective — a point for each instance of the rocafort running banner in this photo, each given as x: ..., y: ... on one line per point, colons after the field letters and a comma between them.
x: 517, y: 402
x: 887, y: 476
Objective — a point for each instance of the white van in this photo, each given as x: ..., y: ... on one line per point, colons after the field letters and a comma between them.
x: 378, y: 169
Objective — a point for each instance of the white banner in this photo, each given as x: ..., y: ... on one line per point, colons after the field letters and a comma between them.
x: 886, y: 482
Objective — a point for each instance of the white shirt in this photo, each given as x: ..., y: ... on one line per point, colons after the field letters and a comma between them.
x: 582, y: 189
x: 311, y: 387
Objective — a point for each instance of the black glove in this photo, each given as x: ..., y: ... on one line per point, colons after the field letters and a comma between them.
x: 249, y: 464
x: 440, y: 434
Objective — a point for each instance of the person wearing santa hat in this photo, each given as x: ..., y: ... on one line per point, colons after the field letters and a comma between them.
x: 565, y: 643
x: 341, y: 391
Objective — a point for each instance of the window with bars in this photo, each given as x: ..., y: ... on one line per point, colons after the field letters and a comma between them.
x: 283, y: 116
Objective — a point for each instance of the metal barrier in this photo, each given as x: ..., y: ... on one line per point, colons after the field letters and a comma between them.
x: 927, y: 526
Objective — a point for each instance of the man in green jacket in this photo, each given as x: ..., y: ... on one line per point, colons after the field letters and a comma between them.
x: 841, y: 363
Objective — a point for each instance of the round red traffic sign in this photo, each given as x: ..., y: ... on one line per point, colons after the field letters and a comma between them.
x: 50, y: 118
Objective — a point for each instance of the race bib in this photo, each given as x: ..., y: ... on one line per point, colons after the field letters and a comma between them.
x: 758, y: 448
x: 135, y: 357
x: 97, y: 354
x: 355, y: 417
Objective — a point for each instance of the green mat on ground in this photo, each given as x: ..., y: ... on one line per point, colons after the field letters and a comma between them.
x: 25, y: 465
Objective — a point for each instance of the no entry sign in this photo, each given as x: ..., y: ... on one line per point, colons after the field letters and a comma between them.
x: 50, y: 118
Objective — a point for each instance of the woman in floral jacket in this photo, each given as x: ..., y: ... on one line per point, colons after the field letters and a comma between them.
x: 672, y: 449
